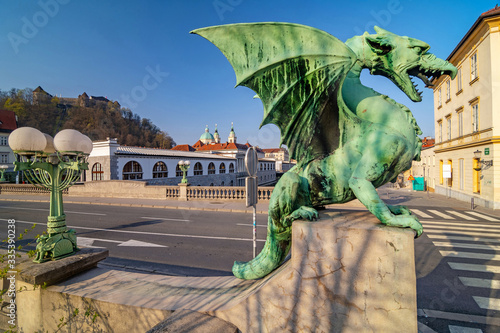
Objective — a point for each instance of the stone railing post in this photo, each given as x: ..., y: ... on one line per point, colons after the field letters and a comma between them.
x: 183, y: 191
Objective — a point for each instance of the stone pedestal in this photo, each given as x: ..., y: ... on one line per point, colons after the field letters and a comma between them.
x: 34, y: 302
x: 183, y: 191
x: 348, y: 273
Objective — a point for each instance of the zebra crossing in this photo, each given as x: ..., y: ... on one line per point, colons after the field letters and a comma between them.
x: 470, y: 241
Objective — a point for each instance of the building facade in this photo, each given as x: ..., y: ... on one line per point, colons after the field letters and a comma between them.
x: 8, y: 123
x: 467, y: 117
x: 109, y: 161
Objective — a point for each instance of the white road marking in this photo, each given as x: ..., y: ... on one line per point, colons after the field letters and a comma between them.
x: 456, y: 228
x: 475, y: 267
x: 480, y: 283
x: 462, y: 224
x: 470, y: 239
x: 438, y: 213
x: 486, y: 217
x: 89, y: 242
x: 47, y: 210
x: 150, y: 233
x: 463, y: 329
x: 421, y: 214
x: 164, y: 219
x: 441, y: 230
x: 251, y: 225
x: 461, y: 215
x: 468, y: 246
x: 488, y: 303
x: 470, y: 255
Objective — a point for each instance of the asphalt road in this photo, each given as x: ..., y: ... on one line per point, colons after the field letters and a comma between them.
x: 184, y: 241
x: 457, y: 258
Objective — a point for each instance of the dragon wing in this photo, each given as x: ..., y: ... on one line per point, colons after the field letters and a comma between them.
x: 297, y: 71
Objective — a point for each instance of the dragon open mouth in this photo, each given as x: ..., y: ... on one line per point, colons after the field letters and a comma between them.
x: 427, y: 75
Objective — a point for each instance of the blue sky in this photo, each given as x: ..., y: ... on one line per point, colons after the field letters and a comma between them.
x: 141, y: 54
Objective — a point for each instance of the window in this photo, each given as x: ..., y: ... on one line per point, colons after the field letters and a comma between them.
x: 211, y: 169
x: 132, y: 170
x: 198, y: 169
x: 178, y: 171
x: 461, y: 170
x: 160, y: 170
x: 460, y: 122
x: 440, y: 131
x: 473, y: 67
x: 3, y: 140
x: 231, y: 169
x: 475, y: 118
x: 222, y: 168
x: 448, y: 95
x: 440, y: 100
x: 448, y: 122
x: 459, y: 81
x: 4, y: 158
x: 97, y: 173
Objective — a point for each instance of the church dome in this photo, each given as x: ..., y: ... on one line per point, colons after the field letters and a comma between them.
x: 206, y: 136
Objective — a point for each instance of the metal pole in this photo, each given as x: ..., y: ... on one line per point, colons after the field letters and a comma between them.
x: 472, y: 203
x: 254, y: 229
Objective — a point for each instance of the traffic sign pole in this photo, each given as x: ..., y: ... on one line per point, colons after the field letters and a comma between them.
x: 251, y: 161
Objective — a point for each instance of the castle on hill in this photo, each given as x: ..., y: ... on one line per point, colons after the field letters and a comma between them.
x: 40, y: 96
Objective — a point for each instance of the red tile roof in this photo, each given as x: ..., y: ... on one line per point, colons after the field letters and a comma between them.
x: 491, y: 11
x: 183, y: 148
x: 272, y: 150
x: 7, y: 121
x: 222, y: 146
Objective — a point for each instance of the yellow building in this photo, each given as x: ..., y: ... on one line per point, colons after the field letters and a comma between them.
x: 467, y: 117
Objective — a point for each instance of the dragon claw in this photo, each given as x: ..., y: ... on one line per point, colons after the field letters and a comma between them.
x: 304, y: 212
x: 399, y: 210
x: 406, y: 221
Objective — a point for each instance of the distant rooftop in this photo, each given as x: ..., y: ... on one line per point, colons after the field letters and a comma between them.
x: 8, y: 121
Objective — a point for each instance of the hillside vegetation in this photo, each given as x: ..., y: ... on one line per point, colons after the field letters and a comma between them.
x: 98, y: 122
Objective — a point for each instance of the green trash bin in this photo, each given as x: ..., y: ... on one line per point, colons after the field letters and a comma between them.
x: 418, y: 184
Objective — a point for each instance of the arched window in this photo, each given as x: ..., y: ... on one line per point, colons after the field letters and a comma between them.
x: 211, y: 169
x: 222, y: 184
x: 160, y: 170
x: 132, y: 170
x: 231, y: 168
x: 178, y: 171
x: 261, y: 166
x: 198, y: 169
x: 97, y: 173
x: 222, y: 168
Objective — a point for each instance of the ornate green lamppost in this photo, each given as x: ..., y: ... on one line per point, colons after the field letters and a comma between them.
x: 54, y: 164
x: 184, y: 166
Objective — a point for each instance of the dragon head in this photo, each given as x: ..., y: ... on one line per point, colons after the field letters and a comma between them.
x: 401, y: 59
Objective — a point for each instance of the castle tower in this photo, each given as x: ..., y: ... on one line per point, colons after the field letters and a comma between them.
x: 206, y: 137
x: 40, y: 96
x: 232, y: 135
x: 216, y: 135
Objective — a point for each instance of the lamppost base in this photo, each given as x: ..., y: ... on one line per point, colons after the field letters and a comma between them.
x: 56, y: 246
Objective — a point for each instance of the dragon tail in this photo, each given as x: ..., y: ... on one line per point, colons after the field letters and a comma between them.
x: 272, y: 255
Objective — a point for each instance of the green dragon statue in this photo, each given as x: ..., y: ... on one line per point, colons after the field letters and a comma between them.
x: 347, y: 138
